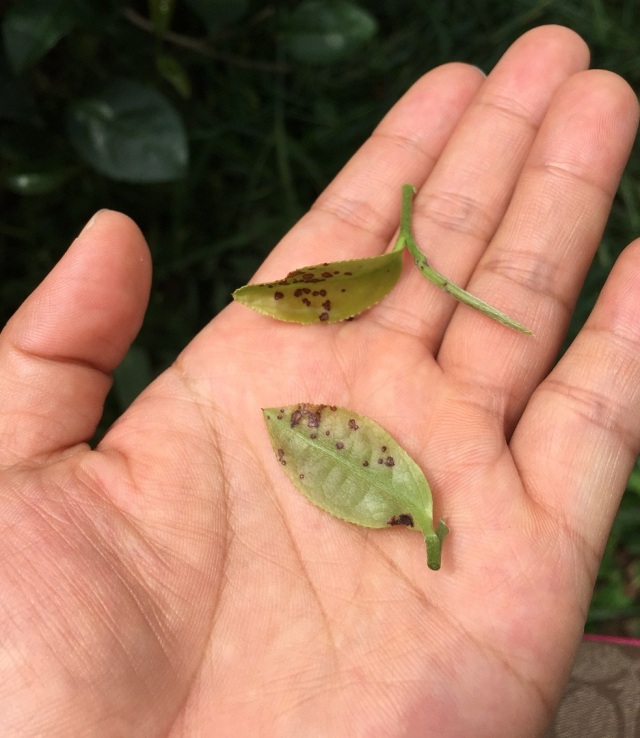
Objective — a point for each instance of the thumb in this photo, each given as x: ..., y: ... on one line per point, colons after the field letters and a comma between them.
x: 57, y: 351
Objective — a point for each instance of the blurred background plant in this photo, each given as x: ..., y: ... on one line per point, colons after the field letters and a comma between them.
x: 216, y: 123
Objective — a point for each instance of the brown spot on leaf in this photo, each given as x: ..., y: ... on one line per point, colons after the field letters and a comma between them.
x: 365, y: 463
x: 298, y: 292
x: 308, y: 277
x: 380, y: 461
x: 327, y: 304
x: 324, y: 316
x: 353, y: 425
x: 403, y: 519
x: 389, y: 461
x: 306, y: 302
x: 339, y: 445
x: 278, y: 295
x: 326, y: 275
x: 383, y: 449
x: 310, y: 412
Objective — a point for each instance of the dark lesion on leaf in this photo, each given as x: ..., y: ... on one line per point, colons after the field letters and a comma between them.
x: 309, y: 412
x: 403, y: 519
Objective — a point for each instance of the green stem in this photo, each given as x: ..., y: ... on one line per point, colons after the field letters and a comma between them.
x: 406, y: 239
x: 408, y: 193
x: 434, y: 545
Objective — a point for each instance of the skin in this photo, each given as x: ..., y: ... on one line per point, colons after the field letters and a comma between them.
x: 172, y: 583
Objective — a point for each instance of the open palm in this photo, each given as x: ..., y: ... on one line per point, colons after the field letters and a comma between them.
x: 173, y: 583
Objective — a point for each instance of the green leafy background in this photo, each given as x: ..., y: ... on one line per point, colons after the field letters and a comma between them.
x: 215, y: 124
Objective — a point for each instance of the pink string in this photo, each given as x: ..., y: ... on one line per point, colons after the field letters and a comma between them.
x: 619, y: 640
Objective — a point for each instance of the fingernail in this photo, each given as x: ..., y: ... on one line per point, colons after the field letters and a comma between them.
x: 91, y: 222
x: 482, y: 72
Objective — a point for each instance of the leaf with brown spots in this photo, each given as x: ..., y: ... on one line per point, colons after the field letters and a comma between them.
x: 351, y: 467
x: 325, y: 293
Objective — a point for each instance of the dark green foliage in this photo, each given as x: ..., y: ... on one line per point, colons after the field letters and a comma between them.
x: 265, y: 134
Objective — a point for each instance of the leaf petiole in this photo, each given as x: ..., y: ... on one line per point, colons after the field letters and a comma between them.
x: 434, y: 545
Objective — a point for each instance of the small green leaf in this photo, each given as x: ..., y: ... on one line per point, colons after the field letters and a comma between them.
x: 161, y: 14
x: 26, y: 182
x: 328, y: 31
x: 325, y: 293
x: 351, y: 467
x: 174, y: 73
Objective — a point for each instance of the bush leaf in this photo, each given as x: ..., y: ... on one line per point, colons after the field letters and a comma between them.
x: 130, y: 133
x: 351, y: 467
x: 33, y: 27
x: 325, y: 293
x: 328, y: 31
x: 38, y: 182
x: 161, y: 13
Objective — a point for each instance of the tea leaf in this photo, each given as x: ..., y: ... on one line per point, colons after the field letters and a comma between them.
x: 324, y: 32
x: 351, y: 467
x: 325, y: 293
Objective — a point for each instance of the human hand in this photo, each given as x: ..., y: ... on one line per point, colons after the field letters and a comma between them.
x: 172, y: 583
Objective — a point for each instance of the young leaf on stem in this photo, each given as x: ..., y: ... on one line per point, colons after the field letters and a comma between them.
x: 325, y: 293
